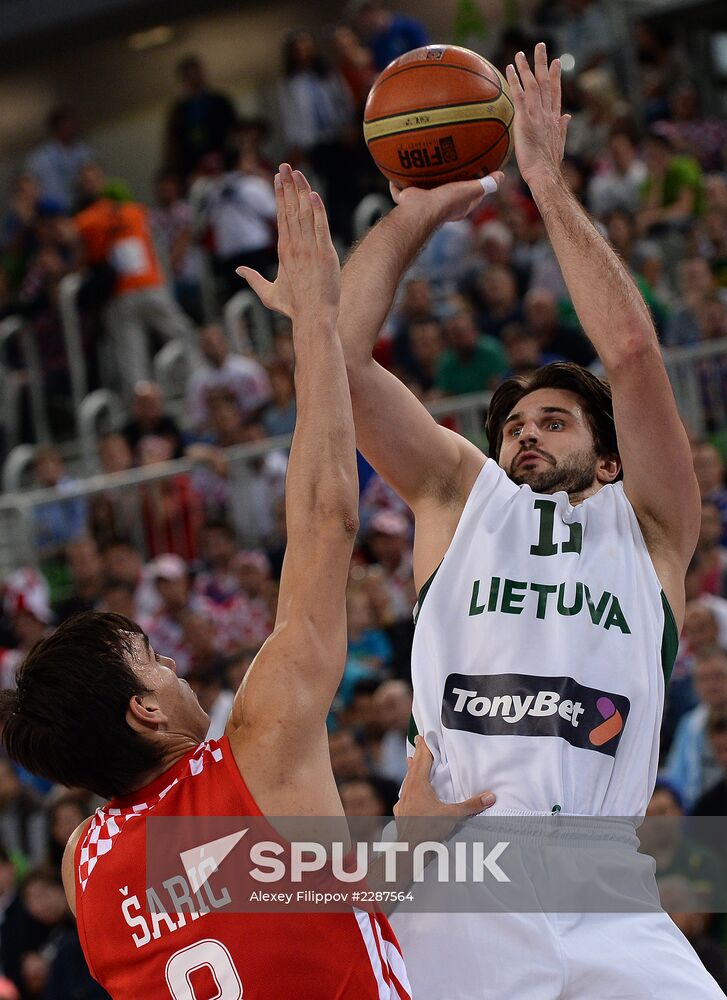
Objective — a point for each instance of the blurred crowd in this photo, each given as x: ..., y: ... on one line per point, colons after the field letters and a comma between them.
x: 484, y: 300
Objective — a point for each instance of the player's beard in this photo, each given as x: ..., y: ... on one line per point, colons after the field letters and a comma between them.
x: 573, y: 474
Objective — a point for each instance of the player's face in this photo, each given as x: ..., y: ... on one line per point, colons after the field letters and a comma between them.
x: 175, y: 698
x: 547, y: 444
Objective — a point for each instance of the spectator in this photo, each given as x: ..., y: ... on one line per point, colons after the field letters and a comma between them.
x: 713, y: 802
x: 387, y: 34
x: 496, y: 298
x: 122, y: 563
x: 166, y: 630
x: 68, y: 975
x: 316, y: 117
x: 203, y: 642
x: 117, y: 598
x: 661, y: 66
x: 362, y: 798
x: 23, y: 829
x: 115, y: 233
x: 171, y: 508
x: 199, y: 122
x: 663, y: 835
x: 425, y: 349
x: 415, y: 305
x: 55, y: 164
x: 148, y: 420
x: 586, y: 34
x: 348, y: 759
x: 249, y: 618
x: 523, y: 351
x: 618, y: 179
x: 87, y: 578
x: 388, y: 538
x: 279, y: 416
x: 696, y: 284
x: 471, y: 363
x: 672, y: 193
x: 17, y: 231
x: 217, y: 581
x: 241, y: 376
x: 60, y: 521
x: 392, y: 702
x: 590, y: 127
x: 355, y: 63
x: 368, y: 646
x: 26, y: 608
x: 238, y: 210
x: 65, y: 814
x: 713, y: 556
x: 717, y: 606
x: 690, y: 133
x: 113, y: 512
x: 215, y: 700
x: 171, y: 222
x: 682, y: 903
x: 542, y: 320
x: 711, y: 238
x: 691, y: 767
x: 36, y: 918
x: 709, y: 470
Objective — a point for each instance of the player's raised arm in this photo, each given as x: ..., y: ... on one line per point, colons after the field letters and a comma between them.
x: 658, y: 475
x: 420, y: 459
x: 280, y: 710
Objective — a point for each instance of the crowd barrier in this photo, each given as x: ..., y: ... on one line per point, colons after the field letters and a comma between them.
x: 128, y: 492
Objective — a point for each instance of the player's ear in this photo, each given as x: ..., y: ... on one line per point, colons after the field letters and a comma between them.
x: 608, y: 469
x: 144, y: 713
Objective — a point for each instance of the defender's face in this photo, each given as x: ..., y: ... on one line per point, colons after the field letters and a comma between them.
x: 548, y: 444
x: 174, y: 696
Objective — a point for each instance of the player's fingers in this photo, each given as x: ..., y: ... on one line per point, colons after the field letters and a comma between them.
x: 290, y: 198
x: 529, y: 83
x: 555, y: 86
x: 421, y: 762
x: 283, y: 235
x: 470, y: 807
x: 516, y: 89
x: 320, y: 223
x: 542, y: 75
x: 305, y: 207
x: 261, y: 286
x: 564, y: 123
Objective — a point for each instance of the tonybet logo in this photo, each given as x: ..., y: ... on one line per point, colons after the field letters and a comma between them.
x: 525, y: 705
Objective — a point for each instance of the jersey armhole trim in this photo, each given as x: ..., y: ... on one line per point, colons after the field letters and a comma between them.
x: 423, y: 593
x: 669, y: 639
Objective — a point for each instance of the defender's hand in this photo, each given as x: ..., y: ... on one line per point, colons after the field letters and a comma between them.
x: 448, y: 202
x: 540, y: 129
x: 309, y: 272
x: 419, y: 799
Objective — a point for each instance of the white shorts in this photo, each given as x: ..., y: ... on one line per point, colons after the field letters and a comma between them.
x: 632, y: 952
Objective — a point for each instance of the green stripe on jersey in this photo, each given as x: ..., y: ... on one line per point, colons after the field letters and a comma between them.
x: 669, y: 639
x: 423, y: 593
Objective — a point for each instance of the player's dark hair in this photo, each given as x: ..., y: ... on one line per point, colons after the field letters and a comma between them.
x: 66, y: 719
x: 593, y: 391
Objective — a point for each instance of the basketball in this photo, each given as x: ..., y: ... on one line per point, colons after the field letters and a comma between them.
x: 438, y: 114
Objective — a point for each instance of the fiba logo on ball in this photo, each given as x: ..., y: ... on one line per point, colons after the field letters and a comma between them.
x: 443, y: 151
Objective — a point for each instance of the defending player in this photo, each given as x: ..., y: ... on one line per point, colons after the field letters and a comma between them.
x: 550, y: 579
x: 96, y: 707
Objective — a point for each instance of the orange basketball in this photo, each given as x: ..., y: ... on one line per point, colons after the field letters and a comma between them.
x: 439, y: 114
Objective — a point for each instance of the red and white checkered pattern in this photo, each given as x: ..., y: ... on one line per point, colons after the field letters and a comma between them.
x: 109, y: 821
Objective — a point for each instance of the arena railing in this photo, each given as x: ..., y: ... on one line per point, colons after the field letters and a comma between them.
x: 128, y: 492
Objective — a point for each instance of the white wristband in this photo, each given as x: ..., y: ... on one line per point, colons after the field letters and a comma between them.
x: 489, y: 184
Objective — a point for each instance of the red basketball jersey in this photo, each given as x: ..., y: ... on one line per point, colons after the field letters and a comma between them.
x: 133, y: 952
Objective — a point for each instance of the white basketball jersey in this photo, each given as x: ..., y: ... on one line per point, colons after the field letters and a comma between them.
x: 540, y: 653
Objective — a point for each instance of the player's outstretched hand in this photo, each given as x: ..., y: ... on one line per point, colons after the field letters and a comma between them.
x: 419, y: 799
x: 309, y: 272
x: 540, y: 128
x: 447, y: 202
